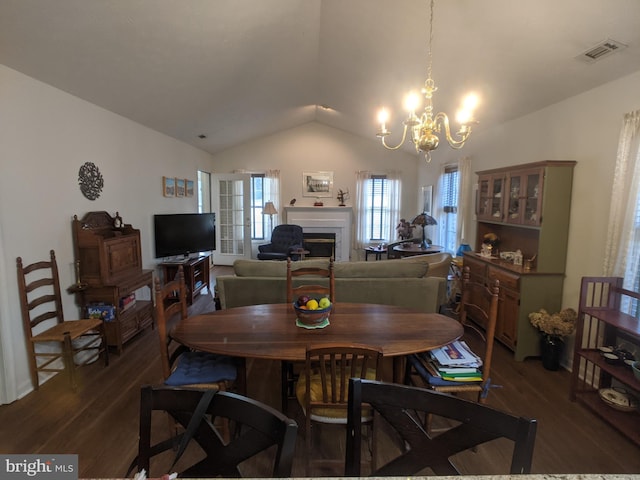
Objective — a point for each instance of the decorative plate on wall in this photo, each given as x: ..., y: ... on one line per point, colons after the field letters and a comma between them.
x: 90, y: 180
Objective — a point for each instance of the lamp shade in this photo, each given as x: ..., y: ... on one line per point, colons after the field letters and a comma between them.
x: 269, y: 209
x: 423, y: 219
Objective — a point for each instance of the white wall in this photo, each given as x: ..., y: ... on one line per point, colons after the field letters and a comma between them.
x: 317, y: 147
x: 584, y: 128
x: 45, y: 136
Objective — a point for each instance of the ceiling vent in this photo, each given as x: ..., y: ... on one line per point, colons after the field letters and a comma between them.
x: 601, y: 50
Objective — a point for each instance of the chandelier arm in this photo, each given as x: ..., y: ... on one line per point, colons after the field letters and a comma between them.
x: 389, y: 147
x: 442, y: 120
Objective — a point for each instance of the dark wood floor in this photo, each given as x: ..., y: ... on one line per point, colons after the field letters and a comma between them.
x: 100, y: 421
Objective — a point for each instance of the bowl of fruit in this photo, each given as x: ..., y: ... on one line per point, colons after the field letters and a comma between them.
x: 312, y: 312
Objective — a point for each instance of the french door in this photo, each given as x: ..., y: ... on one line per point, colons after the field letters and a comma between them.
x: 232, y: 204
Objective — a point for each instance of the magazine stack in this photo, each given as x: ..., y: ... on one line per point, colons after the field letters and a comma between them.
x: 455, y: 362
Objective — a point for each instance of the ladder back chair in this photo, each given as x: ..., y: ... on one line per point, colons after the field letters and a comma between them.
x: 472, y: 424
x: 322, y: 389
x: 289, y: 371
x: 259, y: 428
x: 479, y: 302
x: 44, y: 322
x: 180, y: 365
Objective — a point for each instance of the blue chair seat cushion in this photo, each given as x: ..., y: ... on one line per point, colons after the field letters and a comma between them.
x: 201, y: 367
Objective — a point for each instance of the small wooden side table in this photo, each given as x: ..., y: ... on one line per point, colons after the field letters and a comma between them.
x: 377, y: 251
x: 300, y: 251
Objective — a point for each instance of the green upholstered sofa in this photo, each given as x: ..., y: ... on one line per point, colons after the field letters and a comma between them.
x: 393, y: 282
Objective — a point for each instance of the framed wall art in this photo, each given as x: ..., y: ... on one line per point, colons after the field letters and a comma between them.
x: 179, y: 187
x: 189, y: 188
x: 317, y: 184
x: 427, y: 199
x: 169, y: 186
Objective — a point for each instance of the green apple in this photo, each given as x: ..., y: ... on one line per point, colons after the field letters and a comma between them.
x: 324, y: 303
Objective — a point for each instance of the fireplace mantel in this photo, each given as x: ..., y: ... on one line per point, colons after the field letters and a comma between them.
x: 338, y: 220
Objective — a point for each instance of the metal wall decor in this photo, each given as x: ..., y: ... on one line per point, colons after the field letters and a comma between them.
x: 90, y: 180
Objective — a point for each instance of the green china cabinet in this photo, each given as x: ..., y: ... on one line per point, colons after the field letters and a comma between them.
x: 527, y: 207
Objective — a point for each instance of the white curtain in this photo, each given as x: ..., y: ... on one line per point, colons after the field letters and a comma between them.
x: 360, y: 238
x: 464, y: 200
x: 622, y: 252
x: 392, y: 215
x: 272, y: 193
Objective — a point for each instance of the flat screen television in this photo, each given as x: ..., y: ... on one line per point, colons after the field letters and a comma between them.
x: 184, y: 233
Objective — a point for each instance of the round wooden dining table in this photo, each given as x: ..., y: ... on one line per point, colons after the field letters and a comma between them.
x: 270, y: 332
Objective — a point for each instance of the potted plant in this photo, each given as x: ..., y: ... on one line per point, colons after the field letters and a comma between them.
x: 553, y: 327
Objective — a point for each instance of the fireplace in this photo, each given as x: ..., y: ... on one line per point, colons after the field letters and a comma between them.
x: 320, y: 244
x: 325, y: 220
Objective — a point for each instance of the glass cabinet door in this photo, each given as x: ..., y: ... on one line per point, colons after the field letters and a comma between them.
x: 497, y: 197
x: 514, y: 202
x: 533, y: 197
x: 491, y: 197
x: 483, y: 206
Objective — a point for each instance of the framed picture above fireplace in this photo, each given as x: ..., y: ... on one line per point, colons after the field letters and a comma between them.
x: 317, y: 184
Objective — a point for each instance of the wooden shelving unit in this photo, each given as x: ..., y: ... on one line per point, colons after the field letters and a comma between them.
x: 601, y: 323
x: 196, y: 274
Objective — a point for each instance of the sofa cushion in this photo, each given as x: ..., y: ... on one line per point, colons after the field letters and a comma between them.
x: 272, y: 268
x: 388, y: 269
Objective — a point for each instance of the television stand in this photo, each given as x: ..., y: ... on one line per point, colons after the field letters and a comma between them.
x: 196, y: 274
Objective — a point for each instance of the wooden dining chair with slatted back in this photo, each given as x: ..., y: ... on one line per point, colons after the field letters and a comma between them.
x: 295, y: 289
x: 471, y: 424
x: 180, y: 365
x: 322, y: 389
x: 81, y: 341
x: 263, y: 446
x: 479, y: 302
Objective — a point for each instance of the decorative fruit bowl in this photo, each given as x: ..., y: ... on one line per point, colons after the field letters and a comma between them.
x: 311, y: 318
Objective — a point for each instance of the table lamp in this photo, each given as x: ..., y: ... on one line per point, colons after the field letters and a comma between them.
x: 423, y: 220
x: 270, y: 209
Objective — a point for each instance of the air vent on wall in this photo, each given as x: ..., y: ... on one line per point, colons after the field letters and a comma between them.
x: 601, y: 50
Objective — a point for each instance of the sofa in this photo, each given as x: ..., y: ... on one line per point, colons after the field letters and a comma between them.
x: 394, y: 282
x: 439, y: 263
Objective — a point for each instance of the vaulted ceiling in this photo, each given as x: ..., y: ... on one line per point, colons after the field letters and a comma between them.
x: 233, y: 70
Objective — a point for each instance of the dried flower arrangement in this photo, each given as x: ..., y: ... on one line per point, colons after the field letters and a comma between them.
x: 558, y: 324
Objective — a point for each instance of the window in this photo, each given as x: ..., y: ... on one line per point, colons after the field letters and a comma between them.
x: 378, y: 198
x: 204, y: 192
x: 258, y: 226
x: 449, y: 201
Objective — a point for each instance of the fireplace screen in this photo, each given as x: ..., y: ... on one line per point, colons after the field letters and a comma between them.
x: 320, y: 244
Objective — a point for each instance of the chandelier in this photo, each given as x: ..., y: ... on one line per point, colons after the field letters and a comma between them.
x: 425, y: 129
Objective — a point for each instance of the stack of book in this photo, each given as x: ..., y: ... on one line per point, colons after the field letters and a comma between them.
x: 127, y: 302
x: 455, y: 362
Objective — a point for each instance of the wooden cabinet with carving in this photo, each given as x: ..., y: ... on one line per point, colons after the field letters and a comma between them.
x: 109, y: 265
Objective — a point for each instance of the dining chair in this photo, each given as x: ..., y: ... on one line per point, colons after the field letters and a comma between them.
x: 44, y: 323
x: 472, y: 425
x: 479, y: 302
x: 259, y: 428
x: 291, y: 371
x: 180, y: 365
x: 322, y: 389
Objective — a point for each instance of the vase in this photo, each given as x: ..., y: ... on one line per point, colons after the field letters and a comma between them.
x: 551, y: 347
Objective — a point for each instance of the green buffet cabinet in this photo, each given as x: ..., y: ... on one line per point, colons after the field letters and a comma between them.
x: 528, y: 207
